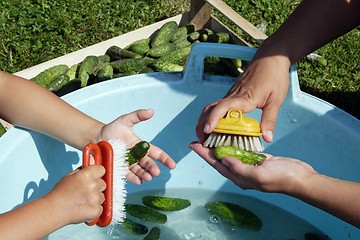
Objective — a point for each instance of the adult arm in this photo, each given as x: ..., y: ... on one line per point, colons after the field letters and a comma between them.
x: 291, y: 177
x: 265, y: 83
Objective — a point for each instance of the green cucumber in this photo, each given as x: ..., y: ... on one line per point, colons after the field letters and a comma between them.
x: 59, y: 82
x: 145, y: 213
x: 178, y: 56
x: 106, y: 72
x: 163, y: 66
x: 104, y: 58
x: 193, y: 36
x: 164, y: 34
x: 137, y: 152
x: 182, y: 43
x: 161, y: 50
x: 234, y: 215
x: 182, y: 32
x: 229, y: 66
x: 118, y: 53
x: 46, y: 77
x: 220, y: 37
x: 246, y: 157
x: 141, y: 46
x: 237, y: 62
x: 72, y: 71
x: 154, y: 234
x: 69, y: 87
x: 134, y: 227
x: 131, y: 65
x: 87, y: 67
x: 143, y: 41
x: 2, y: 130
x: 204, y: 34
x: 166, y: 203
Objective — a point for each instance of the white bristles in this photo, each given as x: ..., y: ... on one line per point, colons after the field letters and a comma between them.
x: 121, y: 168
x: 249, y: 143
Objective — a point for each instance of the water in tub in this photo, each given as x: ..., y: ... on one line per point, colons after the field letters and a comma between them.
x: 196, y: 223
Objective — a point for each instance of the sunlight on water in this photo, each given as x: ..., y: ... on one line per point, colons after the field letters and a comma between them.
x: 196, y: 223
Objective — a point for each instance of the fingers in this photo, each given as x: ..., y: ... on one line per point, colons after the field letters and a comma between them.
x: 136, y: 117
x: 268, y: 122
x: 161, y: 156
x: 146, y: 168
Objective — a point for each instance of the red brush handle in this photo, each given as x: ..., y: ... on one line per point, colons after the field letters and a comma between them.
x: 104, y: 155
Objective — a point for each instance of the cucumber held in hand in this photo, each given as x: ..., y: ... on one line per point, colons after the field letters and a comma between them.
x: 145, y: 213
x: 137, y: 152
x: 166, y: 203
x: 244, y: 156
x: 235, y: 215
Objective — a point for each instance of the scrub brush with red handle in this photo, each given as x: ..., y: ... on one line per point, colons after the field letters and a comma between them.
x: 236, y: 130
x: 112, y: 155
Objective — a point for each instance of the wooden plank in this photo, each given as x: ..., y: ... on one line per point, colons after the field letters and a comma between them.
x: 239, y: 21
x: 200, y: 14
x: 218, y: 26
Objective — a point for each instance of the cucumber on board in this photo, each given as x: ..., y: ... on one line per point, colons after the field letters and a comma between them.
x: 73, y: 71
x: 178, y: 56
x: 163, y: 66
x: 182, y: 32
x: 246, y: 157
x: 117, y: 53
x: 131, y: 65
x: 165, y: 33
x: 137, y: 152
x: 134, y: 227
x: 59, y: 82
x: 145, y: 213
x: 166, y: 203
x: 69, y: 87
x: 161, y: 50
x: 234, y: 215
x: 154, y: 234
x: 46, y: 77
x: 106, y: 72
x: 87, y: 67
x: 220, y: 37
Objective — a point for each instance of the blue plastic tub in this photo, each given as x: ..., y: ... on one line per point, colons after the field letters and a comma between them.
x: 308, y: 128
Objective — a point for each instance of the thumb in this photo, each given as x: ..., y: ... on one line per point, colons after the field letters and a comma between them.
x: 268, y: 122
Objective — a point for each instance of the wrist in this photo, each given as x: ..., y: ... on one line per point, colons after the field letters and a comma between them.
x: 279, y: 52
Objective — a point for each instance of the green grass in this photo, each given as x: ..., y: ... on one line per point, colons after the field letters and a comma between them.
x: 39, y: 30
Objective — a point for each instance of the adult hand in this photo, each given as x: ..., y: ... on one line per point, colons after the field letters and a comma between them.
x: 263, y: 85
x: 121, y: 128
x: 275, y: 174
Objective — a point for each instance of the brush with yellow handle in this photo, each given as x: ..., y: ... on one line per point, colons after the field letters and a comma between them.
x: 236, y: 130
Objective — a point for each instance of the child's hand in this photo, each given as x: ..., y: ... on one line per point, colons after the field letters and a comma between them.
x: 121, y: 128
x: 78, y: 196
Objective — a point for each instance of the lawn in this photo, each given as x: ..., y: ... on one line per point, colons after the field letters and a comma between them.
x: 39, y: 30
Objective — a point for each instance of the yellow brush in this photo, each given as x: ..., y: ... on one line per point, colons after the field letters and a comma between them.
x: 238, y: 131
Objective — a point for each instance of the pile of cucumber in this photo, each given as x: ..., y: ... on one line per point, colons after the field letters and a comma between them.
x: 154, y: 210
x: 165, y: 51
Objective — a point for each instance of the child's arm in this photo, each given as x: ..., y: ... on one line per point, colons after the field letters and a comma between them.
x: 24, y: 103
x: 76, y: 198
